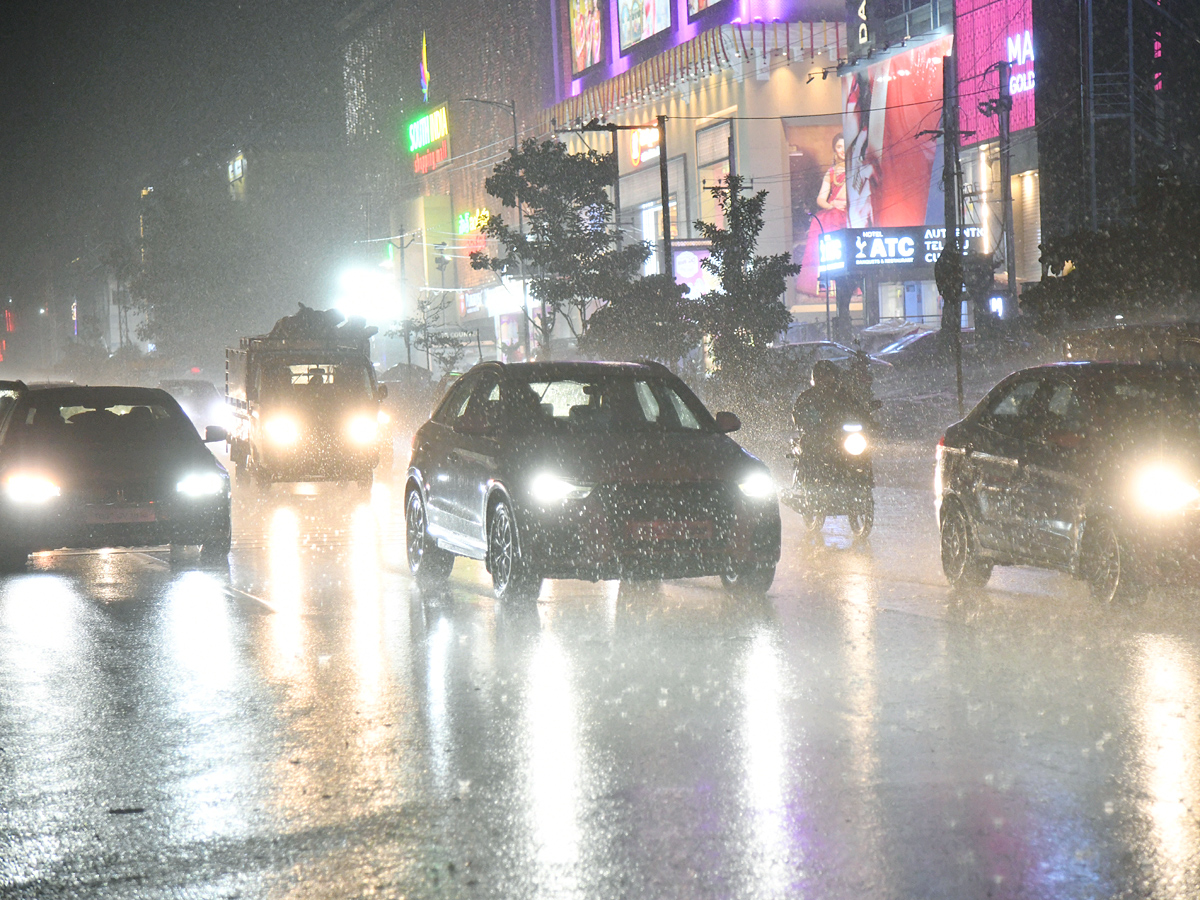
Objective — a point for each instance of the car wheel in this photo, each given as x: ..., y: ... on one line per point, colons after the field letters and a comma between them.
x: 215, y: 547
x: 512, y: 579
x: 428, y: 563
x: 813, y: 521
x: 862, y: 520
x: 12, y: 559
x: 753, y: 578
x: 960, y: 558
x: 1105, y: 564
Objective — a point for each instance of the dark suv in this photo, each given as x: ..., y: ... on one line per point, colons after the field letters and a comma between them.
x: 1090, y: 468
x: 586, y: 470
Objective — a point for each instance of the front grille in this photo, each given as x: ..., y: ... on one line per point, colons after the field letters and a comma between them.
x: 118, y: 492
x: 666, y: 517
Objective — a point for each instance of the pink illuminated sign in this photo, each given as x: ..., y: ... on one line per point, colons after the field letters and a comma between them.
x: 989, y: 32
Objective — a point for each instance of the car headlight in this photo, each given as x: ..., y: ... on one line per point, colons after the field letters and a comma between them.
x: 1162, y: 489
x: 362, y: 429
x: 203, y: 484
x: 547, y: 488
x: 758, y: 486
x: 282, y: 430
x: 855, y: 443
x: 31, y: 489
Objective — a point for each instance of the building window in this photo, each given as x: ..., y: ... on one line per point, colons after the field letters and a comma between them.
x: 714, y: 147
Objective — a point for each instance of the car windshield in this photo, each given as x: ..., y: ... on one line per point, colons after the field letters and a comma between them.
x: 59, y: 422
x: 303, y: 380
x: 610, y: 403
x: 903, y: 342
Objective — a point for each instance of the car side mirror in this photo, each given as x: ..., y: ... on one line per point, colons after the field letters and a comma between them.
x: 383, y: 392
x: 727, y: 422
x: 215, y: 433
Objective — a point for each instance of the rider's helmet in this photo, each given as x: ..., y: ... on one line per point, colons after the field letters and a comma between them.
x: 824, y: 373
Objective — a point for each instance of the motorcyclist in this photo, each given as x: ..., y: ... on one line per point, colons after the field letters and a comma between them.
x: 825, y: 405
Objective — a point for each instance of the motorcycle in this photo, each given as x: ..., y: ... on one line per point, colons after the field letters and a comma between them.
x: 832, y: 475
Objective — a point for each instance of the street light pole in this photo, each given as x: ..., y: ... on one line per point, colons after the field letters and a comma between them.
x: 511, y: 108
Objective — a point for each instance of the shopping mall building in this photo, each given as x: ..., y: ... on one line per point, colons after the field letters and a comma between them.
x: 770, y: 89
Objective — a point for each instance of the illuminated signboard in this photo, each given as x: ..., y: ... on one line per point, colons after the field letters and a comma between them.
x: 587, y: 34
x: 641, y: 19
x: 429, y: 141
x: 696, y: 6
x: 865, y: 248
x: 991, y: 31
x: 469, y: 225
x: 643, y: 145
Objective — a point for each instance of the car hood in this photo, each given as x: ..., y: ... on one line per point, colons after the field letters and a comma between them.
x: 614, y: 458
x: 82, y: 464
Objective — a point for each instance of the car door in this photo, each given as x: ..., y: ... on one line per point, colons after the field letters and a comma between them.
x: 1053, y: 479
x: 473, y: 462
x: 437, y: 448
x: 994, y: 460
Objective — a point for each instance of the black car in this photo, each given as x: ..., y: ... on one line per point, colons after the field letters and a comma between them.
x: 586, y: 470
x: 93, y: 467
x: 1090, y: 468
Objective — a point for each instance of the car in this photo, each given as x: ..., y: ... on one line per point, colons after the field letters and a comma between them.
x: 200, y: 400
x: 805, y: 353
x: 589, y: 470
x: 1089, y: 468
x: 922, y: 348
x: 94, y: 467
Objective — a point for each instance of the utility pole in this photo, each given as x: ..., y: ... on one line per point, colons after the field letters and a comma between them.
x: 1004, y: 108
x: 668, y: 266
x: 407, y: 321
x: 948, y: 270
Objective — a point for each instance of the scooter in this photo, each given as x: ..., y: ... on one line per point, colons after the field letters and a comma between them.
x: 832, y: 476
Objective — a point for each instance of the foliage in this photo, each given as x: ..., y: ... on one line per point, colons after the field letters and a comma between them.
x: 426, y: 332
x: 567, y: 250
x: 747, y: 312
x: 1147, y: 265
x: 649, y: 318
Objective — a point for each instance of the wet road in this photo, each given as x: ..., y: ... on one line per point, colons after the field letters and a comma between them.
x: 311, y: 726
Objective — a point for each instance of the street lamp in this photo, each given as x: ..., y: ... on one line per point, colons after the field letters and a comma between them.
x: 510, y: 107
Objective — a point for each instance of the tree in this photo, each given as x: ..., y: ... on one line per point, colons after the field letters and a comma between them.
x: 426, y: 333
x: 568, y: 249
x: 649, y: 318
x: 747, y: 312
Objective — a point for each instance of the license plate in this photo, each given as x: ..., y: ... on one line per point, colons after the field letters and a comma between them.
x: 118, y: 515
x: 663, y: 530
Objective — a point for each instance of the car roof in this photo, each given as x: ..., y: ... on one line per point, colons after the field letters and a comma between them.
x: 88, y: 394
x: 587, y: 368
x: 1091, y: 367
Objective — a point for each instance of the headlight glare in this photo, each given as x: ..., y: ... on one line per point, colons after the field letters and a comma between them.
x: 758, y: 486
x: 855, y: 443
x: 202, y: 484
x: 362, y: 429
x: 31, y: 489
x: 547, y: 488
x: 282, y: 430
x: 1162, y: 489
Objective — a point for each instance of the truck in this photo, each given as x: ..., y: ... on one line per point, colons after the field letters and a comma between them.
x: 304, y: 401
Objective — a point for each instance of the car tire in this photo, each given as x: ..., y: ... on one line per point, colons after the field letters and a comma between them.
x: 960, y: 557
x: 862, y: 520
x: 427, y: 562
x: 12, y: 559
x: 752, y: 579
x: 216, y: 546
x: 512, y: 577
x: 1105, y: 564
x: 813, y: 521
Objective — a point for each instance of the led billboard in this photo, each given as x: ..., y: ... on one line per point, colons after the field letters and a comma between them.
x: 641, y: 19
x: 587, y: 34
x: 990, y: 31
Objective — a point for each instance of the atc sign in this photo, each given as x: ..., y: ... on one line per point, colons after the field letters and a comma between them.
x: 866, y: 248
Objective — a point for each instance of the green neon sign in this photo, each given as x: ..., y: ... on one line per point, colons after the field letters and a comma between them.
x: 428, y: 130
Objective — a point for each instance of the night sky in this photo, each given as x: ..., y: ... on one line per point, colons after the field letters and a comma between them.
x: 99, y: 99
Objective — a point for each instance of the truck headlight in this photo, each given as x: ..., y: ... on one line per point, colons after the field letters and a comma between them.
x: 201, y: 484
x: 282, y: 430
x: 758, y: 486
x: 30, y: 490
x: 362, y: 429
x: 547, y: 488
x: 1163, y: 489
x: 855, y: 443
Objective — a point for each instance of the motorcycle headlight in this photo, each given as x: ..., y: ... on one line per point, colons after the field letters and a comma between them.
x: 202, y: 484
x: 855, y: 443
x: 758, y: 486
x: 282, y: 430
x: 31, y: 489
x: 547, y: 488
x: 1163, y: 489
x: 362, y: 429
